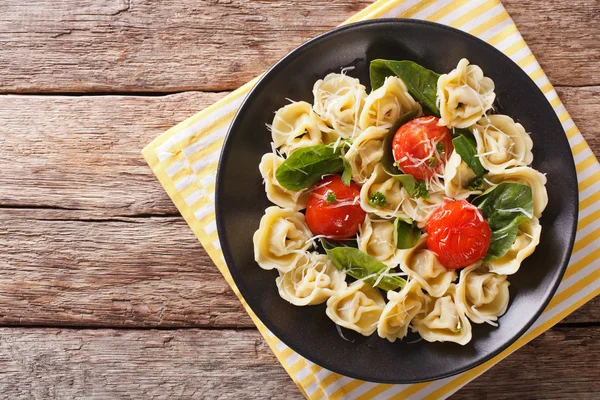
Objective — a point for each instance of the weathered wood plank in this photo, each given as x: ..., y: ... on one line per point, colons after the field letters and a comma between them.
x: 108, y: 364
x: 84, y: 152
x: 64, y: 364
x: 177, y: 45
x: 560, y: 364
x: 63, y: 268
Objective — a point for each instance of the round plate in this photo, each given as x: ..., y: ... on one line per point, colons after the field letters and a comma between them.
x: 241, y: 200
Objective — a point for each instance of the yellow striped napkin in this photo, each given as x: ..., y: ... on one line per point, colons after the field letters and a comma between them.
x: 185, y: 161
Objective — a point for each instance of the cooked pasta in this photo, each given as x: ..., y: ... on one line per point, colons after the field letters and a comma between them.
x: 422, y: 265
x: 385, y: 105
x: 276, y: 193
x: 530, y: 177
x: 281, y: 239
x: 400, y: 310
x: 464, y: 95
x: 482, y: 295
x: 444, y: 321
x: 314, y: 280
x: 502, y: 143
x: 376, y: 238
x: 358, y: 307
x: 339, y: 100
x: 528, y: 237
x: 294, y: 126
x: 365, y: 153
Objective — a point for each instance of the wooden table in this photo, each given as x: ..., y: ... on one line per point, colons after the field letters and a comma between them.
x: 104, y: 290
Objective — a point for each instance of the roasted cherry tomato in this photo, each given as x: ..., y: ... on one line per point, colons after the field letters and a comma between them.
x: 333, y: 208
x: 458, y: 234
x: 421, y: 147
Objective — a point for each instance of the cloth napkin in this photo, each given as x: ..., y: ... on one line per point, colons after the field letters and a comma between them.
x: 185, y: 161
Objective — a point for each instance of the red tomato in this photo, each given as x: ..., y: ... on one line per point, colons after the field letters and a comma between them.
x: 416, y: 148
x: 458, y: 234
x: 333, y: 209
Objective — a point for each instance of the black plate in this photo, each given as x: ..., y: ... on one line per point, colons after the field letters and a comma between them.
x: 241, y: 201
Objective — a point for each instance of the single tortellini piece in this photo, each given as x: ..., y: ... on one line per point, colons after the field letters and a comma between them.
x: 528, y: 237
x: 526, y: 176
x: 380, y: 186
x: 421, y: 264
x: 444, y: 321
x: 281, y: 239
x: 276, y: 193
x: 339, y: 100
x: 295, y: 125
x: 314, y: 280
x: 482, y: 295
x: 387, y: 104
x: 358, y: 307
x: 457, y: 178
x: 419, y: 209
x: 400, y: 310
x: 464, y: 95
x: 376, y: 238
x: 365, y: 153
x: 502, y: 143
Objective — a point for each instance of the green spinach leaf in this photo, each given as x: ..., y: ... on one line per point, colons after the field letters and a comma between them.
x: 305, y: 166
x: 502, y: 240
x: 347, y: 174
x: 465, y: 147
x: 406, y: 234
x: 505, y: 203
x: 420, y: 81
x: 359, y: 265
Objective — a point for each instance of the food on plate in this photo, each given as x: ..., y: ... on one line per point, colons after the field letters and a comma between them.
x: 406, y: 209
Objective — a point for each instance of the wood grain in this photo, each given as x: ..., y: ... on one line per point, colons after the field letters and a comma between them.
x: 177, y: 45
x: 84, y: 152
x: 226, y: 364
x: 65, y: 268
x: 108, y: 364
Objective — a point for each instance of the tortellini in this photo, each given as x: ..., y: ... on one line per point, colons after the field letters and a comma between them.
x: 482, y: 295
x: 422, y: 264
x: 400, y: 310
x: 390, y: 188
x: 457, y: 177
x: 358, y: 307
x: 528, y: 237
x: 526, y: 176
x: 294, y: 126
x: 339, y: 100
x: 464, y: 95
x: 387, y: 104
x: 419, y: 209
x: 444, y: 321
x: 281, y: 239
x: 502, y: 143
x: 376, y: 238
x: 313, y: 281
x: 275, y: 192
x: 365, y: 153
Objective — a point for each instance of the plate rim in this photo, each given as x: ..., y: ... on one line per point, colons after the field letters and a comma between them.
x: 227, y: 253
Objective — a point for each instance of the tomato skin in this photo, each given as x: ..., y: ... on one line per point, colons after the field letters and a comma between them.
x: 333, y: 220
x: 415, y: 140
x: 458, y: 234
